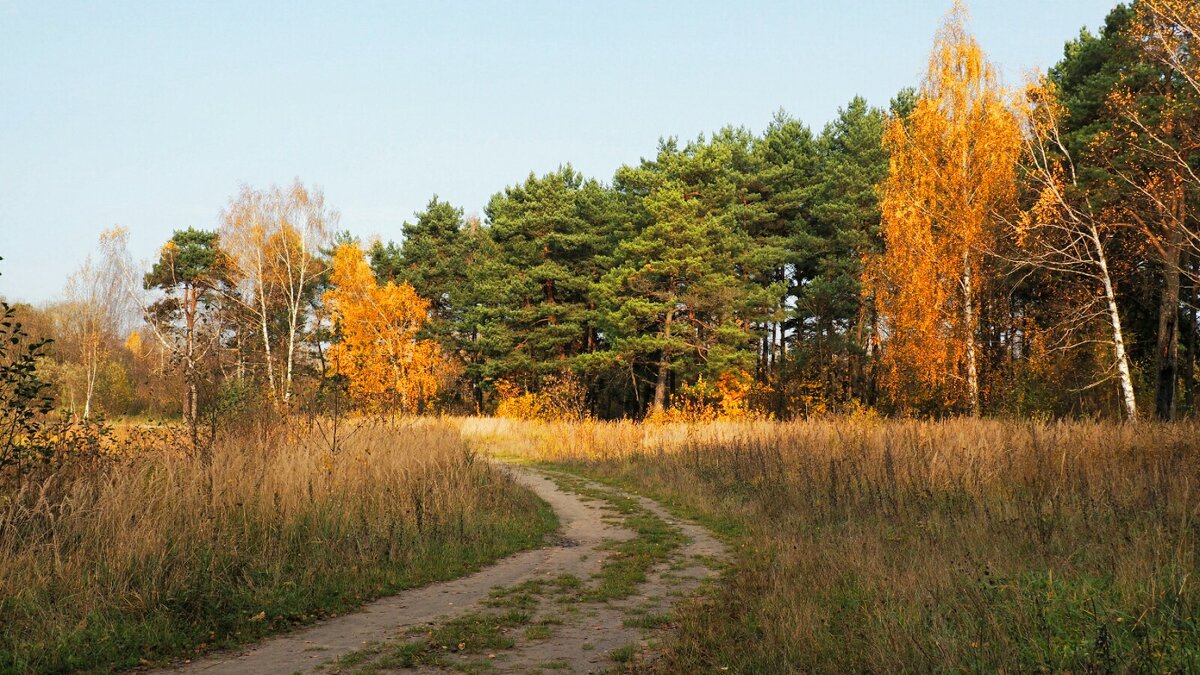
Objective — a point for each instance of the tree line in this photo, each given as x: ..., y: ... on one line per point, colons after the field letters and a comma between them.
x: 972, y: 248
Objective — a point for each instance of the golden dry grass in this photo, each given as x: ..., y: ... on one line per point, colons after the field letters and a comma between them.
x: 908, y: 546
x: 153, y: 555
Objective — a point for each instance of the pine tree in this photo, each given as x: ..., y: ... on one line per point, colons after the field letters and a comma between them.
x: 533, y: 311
x: 845, y: 228
x: 193, y: 273
x: 429, y: 257
x: 786, y: 156
x: 679, y: 301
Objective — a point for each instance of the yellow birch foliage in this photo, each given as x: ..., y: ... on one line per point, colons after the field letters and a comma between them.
x: 378, y: 353
x: 1170, y: 32
x: 952, y: 167
x: 134, y: 343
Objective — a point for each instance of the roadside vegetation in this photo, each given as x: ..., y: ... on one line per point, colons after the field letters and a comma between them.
x: 117, y: 562
x: 909, y: 546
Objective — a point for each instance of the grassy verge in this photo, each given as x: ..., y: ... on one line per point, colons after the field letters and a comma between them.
x: 160, y: 557
x: 973, y: 546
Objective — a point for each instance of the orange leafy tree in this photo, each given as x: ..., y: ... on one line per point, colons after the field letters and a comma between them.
x: 953, y: 166
x: 386, y: 367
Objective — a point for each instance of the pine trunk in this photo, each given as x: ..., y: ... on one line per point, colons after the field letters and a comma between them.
x: 1167, y: 353
x: 1187, y: 367
x: 664, y: 366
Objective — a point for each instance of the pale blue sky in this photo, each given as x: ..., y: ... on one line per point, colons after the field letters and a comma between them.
x: 150, y: 114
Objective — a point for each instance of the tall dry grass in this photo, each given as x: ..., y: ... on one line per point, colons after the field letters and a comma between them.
x: 160, y: 554
x: 908, y: 546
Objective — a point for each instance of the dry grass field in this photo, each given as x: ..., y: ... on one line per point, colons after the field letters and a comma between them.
x: 159, y: 555
x: 905, y: 546
x: 860, y: 544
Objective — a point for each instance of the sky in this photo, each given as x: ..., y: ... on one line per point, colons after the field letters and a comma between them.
x: 150, y: 115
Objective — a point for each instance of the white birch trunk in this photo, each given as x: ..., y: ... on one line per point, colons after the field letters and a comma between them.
x: 969, y: 319
x: 1128, y: 400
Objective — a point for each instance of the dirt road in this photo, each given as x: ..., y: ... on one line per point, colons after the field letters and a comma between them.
x: 578, y: 605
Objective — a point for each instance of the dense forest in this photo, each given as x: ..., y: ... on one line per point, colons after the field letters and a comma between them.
x: 969, y: 248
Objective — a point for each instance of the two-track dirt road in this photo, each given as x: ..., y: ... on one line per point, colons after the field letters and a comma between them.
x: 552, y: 628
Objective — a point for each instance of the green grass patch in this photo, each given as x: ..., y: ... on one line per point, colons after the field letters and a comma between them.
x: 469, y: 634
x: 475, y: 632
x: 649, y: 621
x: 623, y: 654
x: 528, y: 594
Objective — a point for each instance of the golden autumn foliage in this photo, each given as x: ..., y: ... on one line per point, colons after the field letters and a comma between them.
x: 953, y: 165
x: 385, y: 365
x: 561, y: 398
x: 730, y: 397
x: 134, y: 343
x: 1170, y: 32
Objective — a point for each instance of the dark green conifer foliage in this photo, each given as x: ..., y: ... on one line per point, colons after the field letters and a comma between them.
x: 786, y: 167
x: 534, y: 310
x: 833, y: 320
x: 682, y: 298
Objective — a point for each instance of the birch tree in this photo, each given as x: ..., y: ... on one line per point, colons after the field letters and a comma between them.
x: 95, y: 314
x: 952, y: 168
x: 1064, y: 232
x: 274, y: 238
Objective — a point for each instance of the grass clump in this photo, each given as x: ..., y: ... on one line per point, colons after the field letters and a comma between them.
x: 528, y: 594
x: 538, y: 632
x: 623, y: 654
x: 469, y: 634
x: 474, y: 632
x: 649, y: 621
